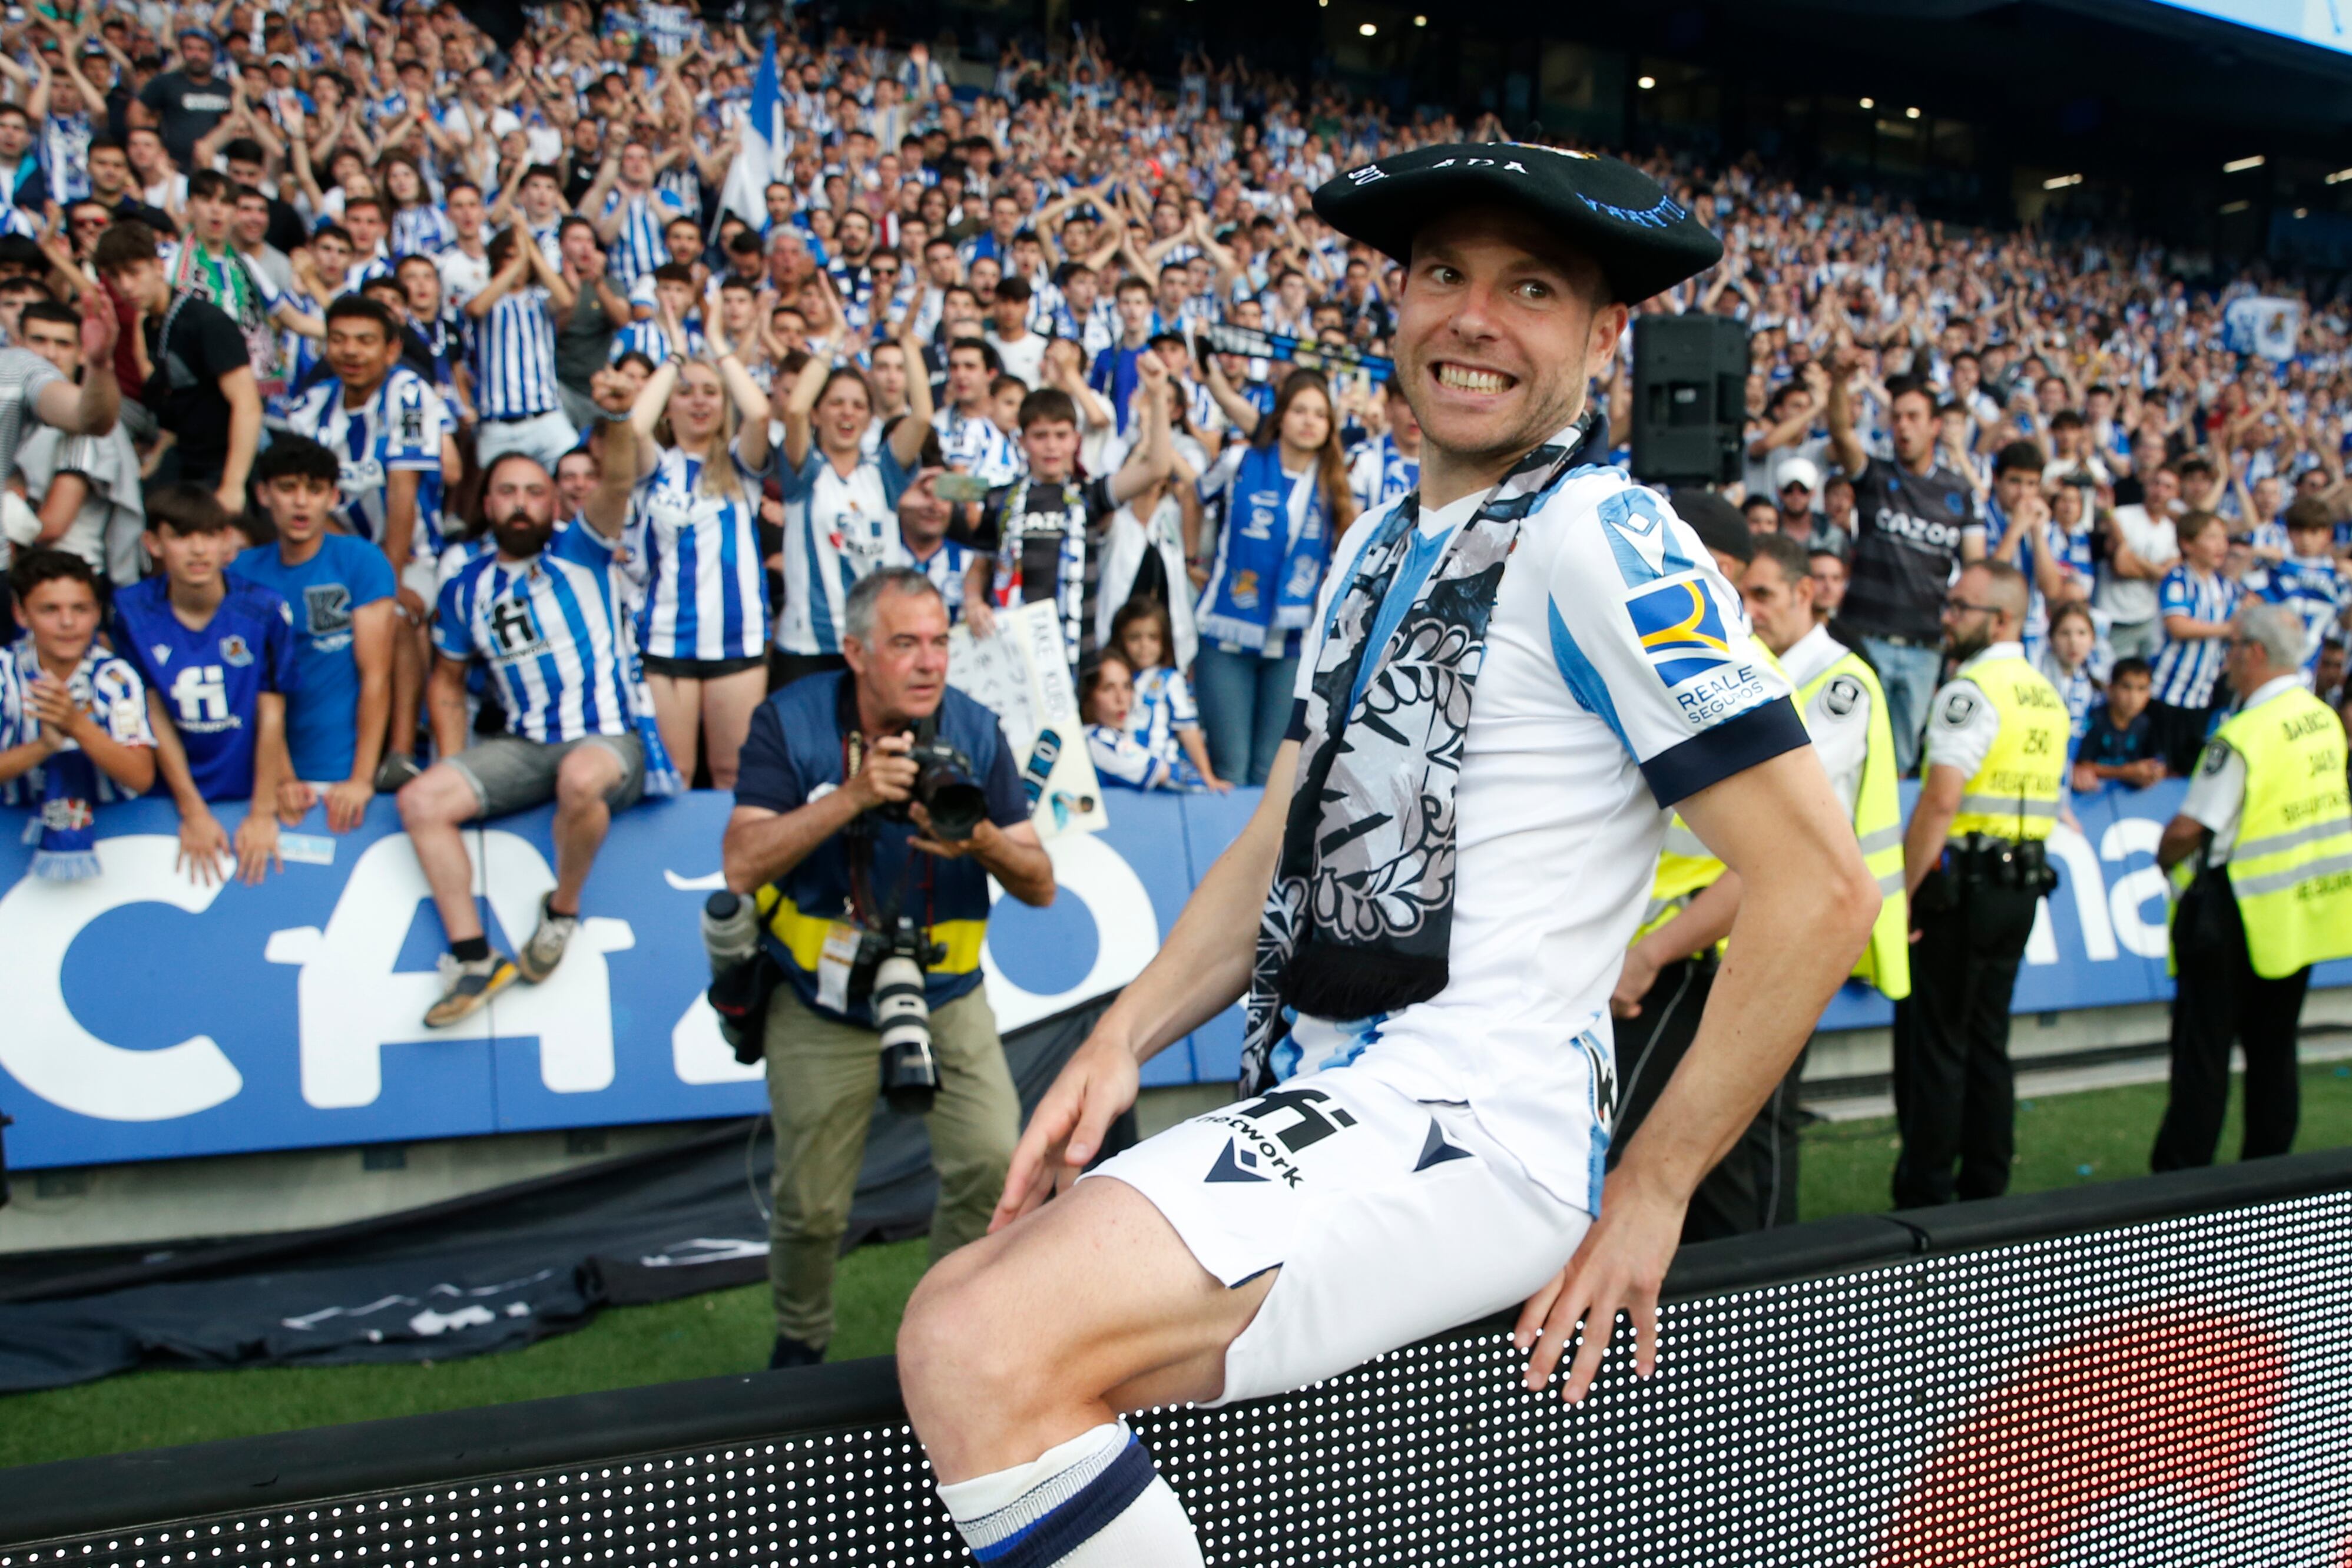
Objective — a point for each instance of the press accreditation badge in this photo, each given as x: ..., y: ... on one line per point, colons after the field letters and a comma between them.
x: 832, y: 966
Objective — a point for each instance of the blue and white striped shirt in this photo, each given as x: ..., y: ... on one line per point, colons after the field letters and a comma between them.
x: 945, y: 566
x: 706, y: 590
x: 550, y: 631
x: 421, y: 230
x: 637, y: 249
x: 2311, y: 587
x: 647, y: 338
x: 106, y: 687
x: 972, y: 445
x: 2186, y: 671
x: 837, y: 529
x: 397, y: 430
x: 514, y: 356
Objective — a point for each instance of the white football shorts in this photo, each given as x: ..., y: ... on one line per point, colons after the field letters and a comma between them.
x: 1392, y: 1220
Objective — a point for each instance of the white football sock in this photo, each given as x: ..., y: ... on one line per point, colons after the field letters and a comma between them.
x: 1095, y: 1501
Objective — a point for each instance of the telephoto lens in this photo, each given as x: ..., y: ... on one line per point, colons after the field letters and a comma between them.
x: 731, y: 937
x: 910, y: 1073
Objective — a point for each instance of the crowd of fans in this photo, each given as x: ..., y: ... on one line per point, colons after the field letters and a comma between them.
x: 346, y: 264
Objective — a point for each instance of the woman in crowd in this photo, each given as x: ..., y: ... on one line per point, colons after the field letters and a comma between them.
x: 1285, y: 502
x: 2067, y: 660
x: 701, y: 428
x: 840, y: 501
x: 419, y: 226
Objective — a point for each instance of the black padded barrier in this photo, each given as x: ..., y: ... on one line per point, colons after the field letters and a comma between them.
x: 2156, y: 1370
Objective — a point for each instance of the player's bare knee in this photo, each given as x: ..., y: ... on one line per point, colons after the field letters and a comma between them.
x: 965, y: 1331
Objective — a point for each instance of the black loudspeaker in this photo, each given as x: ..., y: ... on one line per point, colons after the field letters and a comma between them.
x: 1690, y: 398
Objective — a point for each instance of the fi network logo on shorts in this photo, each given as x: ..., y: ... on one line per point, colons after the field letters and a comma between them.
x: 1681, y: 629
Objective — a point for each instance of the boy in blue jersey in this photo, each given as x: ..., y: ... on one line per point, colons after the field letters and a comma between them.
x: 385, y: 425
x: 218, y: 656
x: 339, y: 591
x: 542, y: 612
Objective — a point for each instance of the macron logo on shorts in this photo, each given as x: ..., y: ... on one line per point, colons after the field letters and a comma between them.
x: 1436, y: 1151
x: 1236, y: 1164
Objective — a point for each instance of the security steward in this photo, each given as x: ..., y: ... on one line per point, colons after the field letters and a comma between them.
x: 1670, y: 968
x: 828, y: 833
x: 2263, y: 845
x: 1974, y: 859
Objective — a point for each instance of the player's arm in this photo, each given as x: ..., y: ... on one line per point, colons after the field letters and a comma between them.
x: 1200, y: 969
x: 1806, y: 905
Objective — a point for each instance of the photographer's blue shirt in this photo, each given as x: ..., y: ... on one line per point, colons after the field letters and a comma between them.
x: 793, y: 756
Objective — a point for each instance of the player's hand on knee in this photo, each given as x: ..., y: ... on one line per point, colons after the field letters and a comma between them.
x: 1620, y: 1268
x: 1068, y: 1128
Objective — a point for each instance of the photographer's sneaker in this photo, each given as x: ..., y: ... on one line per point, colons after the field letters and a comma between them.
x: 538, y: 956
x: 464, y: 987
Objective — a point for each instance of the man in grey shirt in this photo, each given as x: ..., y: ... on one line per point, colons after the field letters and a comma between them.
x: 585, y: 334
x: 84, y: 489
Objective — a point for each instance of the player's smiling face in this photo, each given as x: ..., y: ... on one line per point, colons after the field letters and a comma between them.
x: 1498, y: 329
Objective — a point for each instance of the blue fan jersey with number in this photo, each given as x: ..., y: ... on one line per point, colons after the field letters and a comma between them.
x: 210, y: 681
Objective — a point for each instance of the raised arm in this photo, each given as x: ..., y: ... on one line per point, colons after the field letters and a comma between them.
x: 1239, y: 409
x: 1852, y: 456
x: 907, y: 436
x: 1149, y: 462
x: 618, y: 453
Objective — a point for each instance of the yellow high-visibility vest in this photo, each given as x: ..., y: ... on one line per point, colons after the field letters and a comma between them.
x: 2290, y: 867
x: 2014, y: 794
x: 1878, y: 823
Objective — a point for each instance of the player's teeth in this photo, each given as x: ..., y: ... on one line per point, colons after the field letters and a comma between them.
x: 1471, y: 381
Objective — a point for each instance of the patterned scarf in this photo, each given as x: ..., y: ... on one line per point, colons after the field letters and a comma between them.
x: 1360, y: 914
x: 1069, y: 526
x: 65, y: 826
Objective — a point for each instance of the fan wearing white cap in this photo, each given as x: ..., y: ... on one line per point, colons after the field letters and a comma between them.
x: 1512, y: 672
x: 1796, y: 488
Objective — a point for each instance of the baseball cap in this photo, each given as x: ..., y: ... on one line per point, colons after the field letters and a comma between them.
x: 1799, y: 471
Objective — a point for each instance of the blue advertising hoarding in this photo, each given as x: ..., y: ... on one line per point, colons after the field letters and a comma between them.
x: 148, y: 1018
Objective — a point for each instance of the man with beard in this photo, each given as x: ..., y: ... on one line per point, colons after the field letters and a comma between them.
x: 1550, y: 662
x: 543, y: 612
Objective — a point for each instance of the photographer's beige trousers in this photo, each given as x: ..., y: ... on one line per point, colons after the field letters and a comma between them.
x: 824, y: 1080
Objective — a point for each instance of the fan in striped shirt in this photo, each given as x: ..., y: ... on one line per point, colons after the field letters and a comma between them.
x: 695, y: 524
x: 514, y: 354
x: 2195, y: 602
x: 541, y: 612
x: 632, y: 215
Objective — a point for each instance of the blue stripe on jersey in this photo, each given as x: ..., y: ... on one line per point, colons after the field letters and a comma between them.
x: 686, y: 619
x: 822, y: 625
x: 515, y: 356
x: 730, y: 604
x: 577, y: 622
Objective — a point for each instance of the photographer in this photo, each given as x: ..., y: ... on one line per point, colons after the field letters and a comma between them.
x: 845, y: 827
